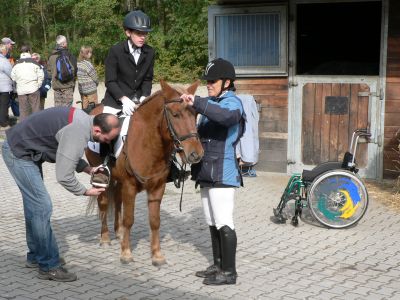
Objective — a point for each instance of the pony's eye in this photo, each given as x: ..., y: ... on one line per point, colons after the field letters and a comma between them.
x: 175, y: 114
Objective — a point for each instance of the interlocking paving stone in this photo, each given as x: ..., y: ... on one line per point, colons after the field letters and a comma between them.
x: 273, y: 261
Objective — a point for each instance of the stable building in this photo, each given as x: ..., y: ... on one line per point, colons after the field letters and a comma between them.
x: 318, y: 70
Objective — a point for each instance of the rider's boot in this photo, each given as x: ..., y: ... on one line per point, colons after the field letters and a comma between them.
x: 216, y: 249
x: 228, y: 274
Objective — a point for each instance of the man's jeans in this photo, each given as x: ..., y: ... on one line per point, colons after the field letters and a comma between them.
x: 40, y: 238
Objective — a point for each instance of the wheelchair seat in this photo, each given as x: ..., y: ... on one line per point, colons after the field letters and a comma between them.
x: 310, y: 175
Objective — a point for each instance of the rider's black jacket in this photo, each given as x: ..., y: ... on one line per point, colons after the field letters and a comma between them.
x: 126, y: 78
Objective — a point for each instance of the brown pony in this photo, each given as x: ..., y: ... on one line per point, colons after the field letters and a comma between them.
x: 161, y: 126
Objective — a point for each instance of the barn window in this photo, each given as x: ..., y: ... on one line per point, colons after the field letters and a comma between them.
x: 339, y: 38
x: 252, y: 38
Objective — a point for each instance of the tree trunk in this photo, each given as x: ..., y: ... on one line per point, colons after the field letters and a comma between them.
x: 43, y: 20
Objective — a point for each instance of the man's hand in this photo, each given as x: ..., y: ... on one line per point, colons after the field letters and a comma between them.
x: 94, y: 191
x: 128, y: 107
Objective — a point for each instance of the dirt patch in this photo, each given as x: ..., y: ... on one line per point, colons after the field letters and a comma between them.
x: 385, y: 192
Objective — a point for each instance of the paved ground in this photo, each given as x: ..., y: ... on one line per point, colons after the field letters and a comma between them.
x: 273, y: 261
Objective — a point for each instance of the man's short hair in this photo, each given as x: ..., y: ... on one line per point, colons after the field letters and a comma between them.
x: 25, y: 49
x: 60, y: 40
x: 106, y: 122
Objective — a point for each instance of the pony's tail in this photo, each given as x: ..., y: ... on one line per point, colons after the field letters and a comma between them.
x: 91, y: 206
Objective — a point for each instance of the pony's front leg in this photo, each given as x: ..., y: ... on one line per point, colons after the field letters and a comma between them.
x: 102, y: 201
x: 128, y: 193
x: 154, y: 202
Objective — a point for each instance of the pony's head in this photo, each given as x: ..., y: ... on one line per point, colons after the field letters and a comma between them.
x: 181, y: 122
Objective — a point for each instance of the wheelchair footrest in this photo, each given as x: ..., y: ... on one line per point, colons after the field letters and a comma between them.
x: 278, y: 218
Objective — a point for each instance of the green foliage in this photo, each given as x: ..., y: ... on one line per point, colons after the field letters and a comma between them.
x: 179, y: 30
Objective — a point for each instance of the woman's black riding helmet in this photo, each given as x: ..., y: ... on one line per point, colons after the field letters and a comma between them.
x: 137, y: 20
x: 219, y: 69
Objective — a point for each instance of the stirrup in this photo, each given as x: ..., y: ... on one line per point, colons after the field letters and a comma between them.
x: 101, y: 178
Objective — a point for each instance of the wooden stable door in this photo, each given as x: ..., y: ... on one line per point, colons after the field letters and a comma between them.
x: 330, y: 114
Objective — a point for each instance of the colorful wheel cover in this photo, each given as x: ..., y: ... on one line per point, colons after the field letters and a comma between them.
x: 338, y: 199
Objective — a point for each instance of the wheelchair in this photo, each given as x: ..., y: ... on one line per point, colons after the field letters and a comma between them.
x: 334, y: 193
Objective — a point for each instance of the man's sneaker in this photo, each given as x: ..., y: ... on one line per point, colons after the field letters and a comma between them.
x: 34, y: 264
x: 60, y: 274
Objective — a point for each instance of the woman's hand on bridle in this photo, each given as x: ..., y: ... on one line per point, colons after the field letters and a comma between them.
x: 189, y: 99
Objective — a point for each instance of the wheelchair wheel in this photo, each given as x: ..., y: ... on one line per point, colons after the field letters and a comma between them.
x: 338, y: 198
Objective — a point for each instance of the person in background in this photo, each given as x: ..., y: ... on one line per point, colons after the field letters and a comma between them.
x: 13, y: 104
x: 56, y: 135
x: 63, y: 91
x: 220, y: 128
x: 46, y: 84
x: 9, y: 45
x: 87, y: 77
x: 28, y: 77
x: 129, y: 65
x: 6, y: 86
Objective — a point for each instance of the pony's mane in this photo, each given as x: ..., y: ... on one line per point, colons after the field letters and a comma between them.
x: 179, y: 89
x: 149, y: 98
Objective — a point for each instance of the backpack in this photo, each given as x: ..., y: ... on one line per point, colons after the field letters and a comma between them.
x: 65, y: 70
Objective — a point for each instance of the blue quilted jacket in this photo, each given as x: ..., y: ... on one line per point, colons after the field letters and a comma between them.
x: 220, y: 128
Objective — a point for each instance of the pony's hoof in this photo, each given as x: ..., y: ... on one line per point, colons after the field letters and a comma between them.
x: 105, y: 244
x: 158, y: 262
x: 126, y: 260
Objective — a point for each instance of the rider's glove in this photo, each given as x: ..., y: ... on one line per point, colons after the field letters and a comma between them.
x: 128, y: 107
x: 142, y: 98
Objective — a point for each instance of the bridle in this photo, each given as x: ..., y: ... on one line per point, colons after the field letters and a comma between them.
x: 177, y: 147
x: 176, y: 139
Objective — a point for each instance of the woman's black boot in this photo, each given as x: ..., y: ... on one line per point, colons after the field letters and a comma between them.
x: 216, y: 249
x: 228, y: 273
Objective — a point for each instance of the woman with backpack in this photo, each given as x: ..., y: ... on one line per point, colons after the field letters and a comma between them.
x: 87, y: 77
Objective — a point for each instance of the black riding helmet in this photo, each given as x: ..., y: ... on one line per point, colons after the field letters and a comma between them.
x: 219, y: 69
x: 137, y: 20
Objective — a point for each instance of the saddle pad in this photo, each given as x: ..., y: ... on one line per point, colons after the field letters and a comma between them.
x: 111, y: 110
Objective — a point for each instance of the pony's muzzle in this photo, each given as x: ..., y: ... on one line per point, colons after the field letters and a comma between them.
x: 194, y: 157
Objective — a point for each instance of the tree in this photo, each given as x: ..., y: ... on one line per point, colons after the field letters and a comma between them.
x: 179, y: 33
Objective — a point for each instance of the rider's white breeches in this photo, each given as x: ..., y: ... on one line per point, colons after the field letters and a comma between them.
x: 218, y: 204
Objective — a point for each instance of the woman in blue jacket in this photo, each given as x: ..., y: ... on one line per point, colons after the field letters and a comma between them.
x: 220, y: 128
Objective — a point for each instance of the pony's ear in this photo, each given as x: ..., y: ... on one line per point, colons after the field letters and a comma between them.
x: 167, y: 90
x: 192, y: 89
